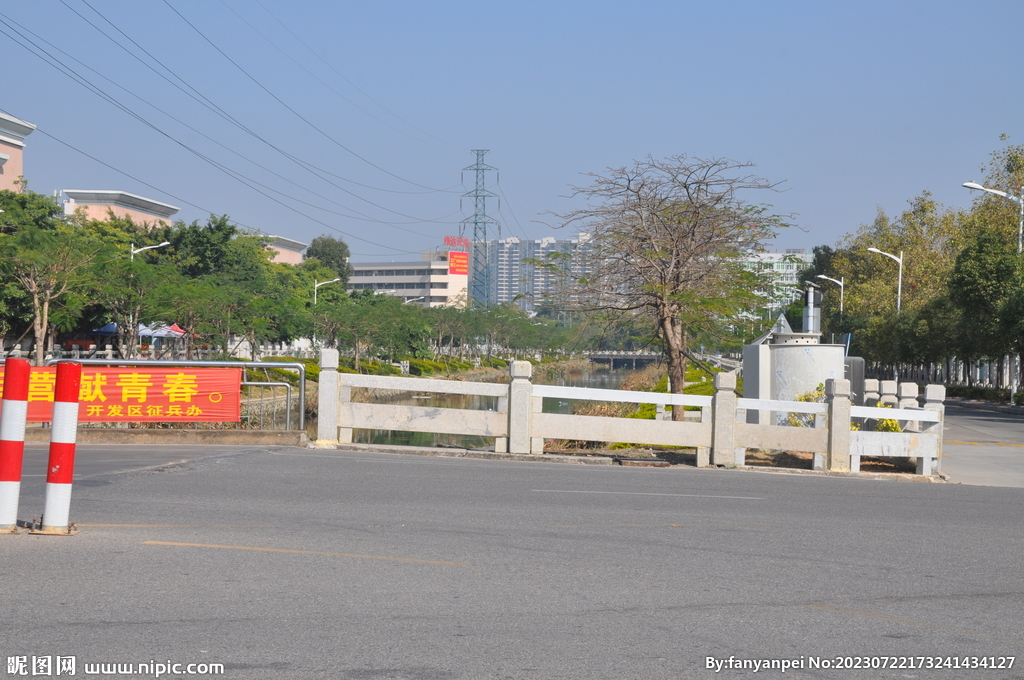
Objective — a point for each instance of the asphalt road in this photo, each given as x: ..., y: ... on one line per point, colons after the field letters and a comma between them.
x: 983, y: 447
x: 292, y: 563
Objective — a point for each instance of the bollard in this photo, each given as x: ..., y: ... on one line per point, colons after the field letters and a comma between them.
x: 12, y: 440
x: 61, y: 467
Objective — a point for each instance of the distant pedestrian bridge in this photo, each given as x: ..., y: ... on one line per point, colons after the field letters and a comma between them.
x: 625, y: 359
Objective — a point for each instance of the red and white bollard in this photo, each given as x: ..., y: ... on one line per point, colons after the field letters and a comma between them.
x: 13, y: 415
x: 61, y: 468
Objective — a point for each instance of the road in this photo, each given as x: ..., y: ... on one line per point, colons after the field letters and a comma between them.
x: 983, y: 447
x: 291, y: 563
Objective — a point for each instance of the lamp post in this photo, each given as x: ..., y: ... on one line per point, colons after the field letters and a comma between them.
x: 899, y: 284
x: 1020, y: 246
x: 317, y: 285
x: 422, y: 297
x: 842, y: 289
x: 139, y: 250
x: 1017, y: 199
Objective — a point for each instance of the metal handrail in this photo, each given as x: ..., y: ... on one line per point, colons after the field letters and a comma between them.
x: 287, y: 365
x: 288, y: 399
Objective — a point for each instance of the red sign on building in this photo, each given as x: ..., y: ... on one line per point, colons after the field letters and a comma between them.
x: 143, y: 395
x: 456, y: 241
x: 458, y: 262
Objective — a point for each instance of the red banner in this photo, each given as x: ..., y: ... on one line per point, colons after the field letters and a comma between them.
x: 458, y: 263
x: 143, y: 395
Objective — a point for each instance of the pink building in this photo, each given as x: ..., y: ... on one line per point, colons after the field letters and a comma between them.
x: 97, y: 204
x: 286, y: 250
x: 13, y: 132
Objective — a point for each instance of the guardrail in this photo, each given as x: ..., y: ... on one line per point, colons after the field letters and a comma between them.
x: 720, y: 435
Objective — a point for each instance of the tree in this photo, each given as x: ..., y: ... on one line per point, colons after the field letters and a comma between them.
x: 333, y: 253
x: 48, y: 264
x: 667, y: 239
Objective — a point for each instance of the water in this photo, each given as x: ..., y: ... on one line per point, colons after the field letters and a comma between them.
x: 601, y: 379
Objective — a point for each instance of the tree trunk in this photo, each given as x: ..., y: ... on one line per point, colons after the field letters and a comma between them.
x: 675, y: 347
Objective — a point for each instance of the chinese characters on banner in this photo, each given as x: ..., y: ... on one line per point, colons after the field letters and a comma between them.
x: 457, y: 241
x: 140, y: 394
x: 458, y: 263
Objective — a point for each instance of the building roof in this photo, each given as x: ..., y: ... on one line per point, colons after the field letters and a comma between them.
x: 14, y: 130
x: 287, y: 243
x: 121, y: 199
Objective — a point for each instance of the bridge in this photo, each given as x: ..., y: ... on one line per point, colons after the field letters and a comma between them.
x: 625, y: 359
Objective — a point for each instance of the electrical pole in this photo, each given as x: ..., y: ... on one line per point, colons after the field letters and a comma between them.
x: 480, y: 273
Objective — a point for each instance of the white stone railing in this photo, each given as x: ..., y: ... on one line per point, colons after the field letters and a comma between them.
x: 720, y: 438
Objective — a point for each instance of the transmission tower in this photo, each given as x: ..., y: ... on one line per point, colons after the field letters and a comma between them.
x: 480, y: 281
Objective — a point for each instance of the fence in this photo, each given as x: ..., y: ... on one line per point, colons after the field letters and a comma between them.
x: 719, y: 434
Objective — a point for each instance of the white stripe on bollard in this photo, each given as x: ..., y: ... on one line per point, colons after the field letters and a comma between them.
x: 61, y: 467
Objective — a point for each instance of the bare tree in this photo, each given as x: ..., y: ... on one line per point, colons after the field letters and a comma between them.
x: 666, y: 242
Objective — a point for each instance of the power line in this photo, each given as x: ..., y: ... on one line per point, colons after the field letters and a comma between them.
x: 289, y: 108
x: 342, y: 76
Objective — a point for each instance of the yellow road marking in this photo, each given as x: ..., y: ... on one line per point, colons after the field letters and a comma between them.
x: 985, y: 443
x: 650, y: 526
x: 305, y: 552
x: 912, y: 622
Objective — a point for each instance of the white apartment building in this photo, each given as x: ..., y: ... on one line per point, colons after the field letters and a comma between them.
x: 439, y: 279
x: 785, y: 266
x: 514, y: 276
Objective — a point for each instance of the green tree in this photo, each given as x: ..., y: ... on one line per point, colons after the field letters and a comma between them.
x: 333, y: 253
x: 48, y: 264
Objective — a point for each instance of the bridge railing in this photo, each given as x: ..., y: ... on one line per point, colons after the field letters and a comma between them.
x: 720, y: 437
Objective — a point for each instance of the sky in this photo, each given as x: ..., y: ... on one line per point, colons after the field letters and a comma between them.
x: 357, y: 120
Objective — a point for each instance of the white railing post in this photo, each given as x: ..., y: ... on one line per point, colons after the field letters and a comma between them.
x: 501, y: 443
x: 520, y: 407
x: 934, y: 396
x: 837, y: 396
x: 723, y: 420
x: 703, y: 452
x: 327, y: 401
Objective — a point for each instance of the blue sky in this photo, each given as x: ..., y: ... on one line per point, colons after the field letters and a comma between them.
x: 361, y: 116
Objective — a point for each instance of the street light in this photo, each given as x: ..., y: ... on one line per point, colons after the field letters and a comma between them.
x: 1014, y: 371
x: 842, y: 289
x: 422, y: 297
x: 899, y: 285
x: 1018, y: 199
x: 317, y: 285
x: 139, y: 250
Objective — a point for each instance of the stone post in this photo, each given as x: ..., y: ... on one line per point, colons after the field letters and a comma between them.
x: 327, y: 401
x: 703, y: 452
x: 888, y: 393
x: 906, y: 395
x: 837, y: 396
x: 520, y: 407
x: 723, y: 421
x: 934, y: 396
x: 871, y: 394
x: 501, y: 443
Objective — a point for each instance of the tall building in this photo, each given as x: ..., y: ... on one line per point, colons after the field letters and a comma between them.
x: 784, y: 266
x: 517, y: 271
x: 440, y: 278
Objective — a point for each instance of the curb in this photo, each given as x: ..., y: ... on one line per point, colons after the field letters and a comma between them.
x: 472, y: 453
x: 890, y: 476
x: 96, y: 435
